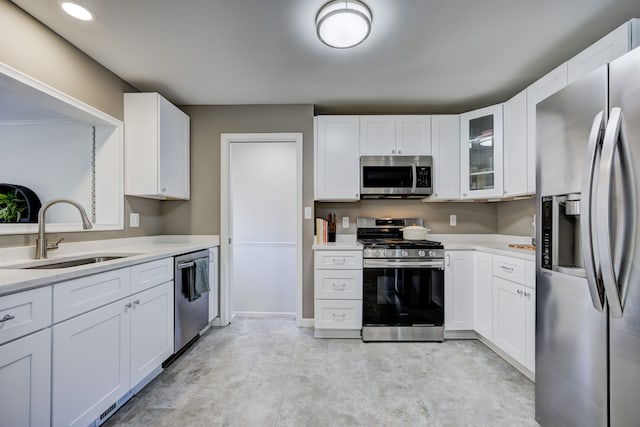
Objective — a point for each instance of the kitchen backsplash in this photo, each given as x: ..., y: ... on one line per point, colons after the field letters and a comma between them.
x: 513, y: 218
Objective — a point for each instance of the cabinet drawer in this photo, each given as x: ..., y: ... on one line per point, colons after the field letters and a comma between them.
x: 338, y: 259
x: 338, y: 284
x: 509, y: 268
x: 86, y: 293
x: 338, y: 314
x: 150, y: 274
x: 24, y: 312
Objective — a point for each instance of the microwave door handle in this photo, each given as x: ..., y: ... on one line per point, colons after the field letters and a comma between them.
x: 587, y: 225
x: 414, y: 171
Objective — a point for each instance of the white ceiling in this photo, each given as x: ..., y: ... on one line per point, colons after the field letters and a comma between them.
x: 422, y: 55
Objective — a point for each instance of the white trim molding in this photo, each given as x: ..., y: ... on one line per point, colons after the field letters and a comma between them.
x: 226, y: 139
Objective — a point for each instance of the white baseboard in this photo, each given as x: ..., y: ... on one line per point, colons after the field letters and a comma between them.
x: 519, y: 366
x: 460, y: 335
x: 308, y: 323
x: 263, y: 314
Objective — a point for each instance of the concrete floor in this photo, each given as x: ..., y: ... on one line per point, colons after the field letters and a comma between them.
x: 271, y: 373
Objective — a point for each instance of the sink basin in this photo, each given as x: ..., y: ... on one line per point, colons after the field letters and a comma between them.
x: 46, y: 264
x: 73, y: 263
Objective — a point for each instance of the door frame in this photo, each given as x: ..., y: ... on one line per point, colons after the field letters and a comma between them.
x: 226, y: 139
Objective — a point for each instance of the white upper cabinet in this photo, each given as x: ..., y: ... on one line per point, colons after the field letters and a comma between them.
x: 395, y: 135
x: 515, y: 145
x: 337, y: 158
x: 539, y: 91
x: 413, y: 135
x: 377, y: 135
x: 445, y: 138
x: 481, y: 153
x: 156, y: 147
x: 612, y: 46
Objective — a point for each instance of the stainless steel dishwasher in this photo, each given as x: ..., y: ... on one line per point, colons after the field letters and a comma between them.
x: 191, y: 314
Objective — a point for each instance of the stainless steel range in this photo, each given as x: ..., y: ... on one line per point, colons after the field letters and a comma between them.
x: 403, y: 285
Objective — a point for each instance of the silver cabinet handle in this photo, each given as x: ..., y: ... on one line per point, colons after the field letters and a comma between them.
x: 339, y: 286
x: 588, y: 232
x: 7, y: 317
x: 183, y: 265
x: 339, y: 317
x: 615, y: 137
x: 339, y: 261
x: 506, y: 269
x: 448, y: 260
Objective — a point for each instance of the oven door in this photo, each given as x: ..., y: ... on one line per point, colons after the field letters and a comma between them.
x: 403, y: 296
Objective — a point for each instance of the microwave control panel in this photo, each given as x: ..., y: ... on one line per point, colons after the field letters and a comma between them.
x: 423, y: 179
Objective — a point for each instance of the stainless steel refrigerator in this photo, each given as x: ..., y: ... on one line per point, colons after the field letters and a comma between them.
x: 588, y: 252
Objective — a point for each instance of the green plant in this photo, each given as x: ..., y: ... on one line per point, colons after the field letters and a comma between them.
x: 11, y: 207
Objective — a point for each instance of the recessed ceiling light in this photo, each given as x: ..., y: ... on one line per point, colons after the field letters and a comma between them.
x: 343, y: 23
x: 77, y: 11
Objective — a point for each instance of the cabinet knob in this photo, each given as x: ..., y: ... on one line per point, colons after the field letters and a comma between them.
x: 393, y: 151
x: 519, y: 291
x: 127, y: 305
x: 399, y: 151
x: 464, y: 194
x: 164, y: 189
x: 136, y: 302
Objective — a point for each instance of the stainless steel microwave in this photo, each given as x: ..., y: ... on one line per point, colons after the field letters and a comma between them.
x: 395, y: 176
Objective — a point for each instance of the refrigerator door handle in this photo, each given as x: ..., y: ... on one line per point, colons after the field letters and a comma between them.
x: 616, y: 287
x: 587, y: 225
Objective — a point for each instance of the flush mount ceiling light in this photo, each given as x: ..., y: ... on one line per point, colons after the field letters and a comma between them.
x: 343, y: 23
x: 77, y: 11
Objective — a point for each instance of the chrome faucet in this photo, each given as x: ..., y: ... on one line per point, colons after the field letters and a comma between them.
x: 41, y: 243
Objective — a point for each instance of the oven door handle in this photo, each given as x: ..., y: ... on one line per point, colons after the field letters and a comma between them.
x: 375, y: 263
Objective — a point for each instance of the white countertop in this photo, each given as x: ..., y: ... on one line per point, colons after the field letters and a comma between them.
x: 497, y: 244
x: 142, y: 249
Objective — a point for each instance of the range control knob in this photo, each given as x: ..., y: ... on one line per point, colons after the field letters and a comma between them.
x: 422, y: 253
x: 404, y: 253
x: 376, y: 253
x: 432, y: 253
x: 387, y: 253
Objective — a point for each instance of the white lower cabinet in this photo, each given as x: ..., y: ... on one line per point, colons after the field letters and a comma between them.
x: 514, y: 309
x: 482, y: 295
x: 458, y: 291
x: 91, y: 355
x: 25, y: 380
x: 509, y: 329
x: 337, y: 293
x: 151, y: 330
x: 101, y: 355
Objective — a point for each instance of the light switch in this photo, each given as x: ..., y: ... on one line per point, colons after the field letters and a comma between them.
x: 134, y: 220
x: 345, y: 222
x: 453, y: 220
x: 307, y: 212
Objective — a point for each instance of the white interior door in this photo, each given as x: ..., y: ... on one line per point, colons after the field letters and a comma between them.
x: 263, y: 191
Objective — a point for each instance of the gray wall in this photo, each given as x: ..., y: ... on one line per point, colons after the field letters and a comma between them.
x: 35, y: 50
x: 472, y: 218
x: 201, y: 214
x: 515, y: 217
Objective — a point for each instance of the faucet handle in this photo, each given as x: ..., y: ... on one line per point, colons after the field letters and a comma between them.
x: 53, y: 246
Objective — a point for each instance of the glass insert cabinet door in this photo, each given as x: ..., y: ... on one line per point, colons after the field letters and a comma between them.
x: 481, y: 153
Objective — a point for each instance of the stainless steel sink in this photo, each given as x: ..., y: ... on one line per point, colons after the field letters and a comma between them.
x: 46, y: 264
x: 73, y: 263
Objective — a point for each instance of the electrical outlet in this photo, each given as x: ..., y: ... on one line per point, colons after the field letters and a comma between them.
x: 134, y: 220
x: 453, y: 220
x: 307, y: 212
x: 345, y: 222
